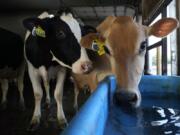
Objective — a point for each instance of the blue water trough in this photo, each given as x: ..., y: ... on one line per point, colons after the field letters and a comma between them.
x: 91, y: 118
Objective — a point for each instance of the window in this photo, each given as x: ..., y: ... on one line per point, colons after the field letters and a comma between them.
x: 155, y: 61
x: 162, y: 53
x: 152, y: 40
x: 155, y: 52
x: 171, y: 43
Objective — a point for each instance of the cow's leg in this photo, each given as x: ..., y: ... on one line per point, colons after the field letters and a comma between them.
x: 4, y: 87
x: 46, y: 85
x: 20, y: 81
x: 38, y: 93
x: 76, y: 93
x: 58, y: 94
x: 44, y: 75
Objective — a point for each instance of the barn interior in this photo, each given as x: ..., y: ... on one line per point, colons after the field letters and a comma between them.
x: 162, y: 56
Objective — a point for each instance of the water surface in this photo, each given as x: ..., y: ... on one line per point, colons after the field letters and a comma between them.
x: 155, y: 116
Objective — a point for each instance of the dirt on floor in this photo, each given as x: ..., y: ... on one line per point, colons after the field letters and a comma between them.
x: 15, y: 121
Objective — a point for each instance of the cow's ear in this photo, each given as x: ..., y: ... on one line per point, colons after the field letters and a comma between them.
x: 87, y: 40
x: 30, y: 23
x: 35, y: 26
x: 104, y: 26
x: 163, y: 27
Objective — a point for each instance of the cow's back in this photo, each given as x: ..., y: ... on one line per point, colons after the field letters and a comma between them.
x: 11, y: 49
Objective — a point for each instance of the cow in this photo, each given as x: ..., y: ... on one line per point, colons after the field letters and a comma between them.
x: 120, y: 44
x: 12, y: 64
x: 51, y: 46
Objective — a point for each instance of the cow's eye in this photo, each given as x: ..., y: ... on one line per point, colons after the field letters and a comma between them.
x: 142, y: 47
x: 60, y: 35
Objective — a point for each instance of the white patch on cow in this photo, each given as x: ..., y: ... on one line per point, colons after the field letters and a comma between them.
x: 84, y: 56
x: 58, y: 95
x: 58, y: 61
x: 34, y: 75
x: 75, y: 28
x: 44, y: 74
x: 73, y: 24
x: 4, y: 88
x: 33, y: 31
x: 76, y: 67
x: 51, y: 15
x: 43, y: 15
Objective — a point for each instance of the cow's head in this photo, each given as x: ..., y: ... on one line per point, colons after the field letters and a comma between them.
x: 125, y: 42
x: 61, y: 35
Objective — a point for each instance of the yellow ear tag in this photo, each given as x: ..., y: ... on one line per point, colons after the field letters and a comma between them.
x: 98, y: 46
x: 40, y: 32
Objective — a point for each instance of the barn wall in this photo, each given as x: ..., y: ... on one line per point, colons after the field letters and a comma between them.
x: 13, y: 12
x: 13, y: 21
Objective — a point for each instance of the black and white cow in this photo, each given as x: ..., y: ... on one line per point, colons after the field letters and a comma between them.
x: 52, y: 40
x: 12, y: 63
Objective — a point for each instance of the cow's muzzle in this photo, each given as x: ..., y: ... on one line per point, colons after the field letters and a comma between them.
x: 86, y: 67
x: 127, y: 98
x: 82, y: 67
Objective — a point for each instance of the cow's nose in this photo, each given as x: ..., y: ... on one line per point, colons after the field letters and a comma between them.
x: 87, y: 67
x: 123, y: 97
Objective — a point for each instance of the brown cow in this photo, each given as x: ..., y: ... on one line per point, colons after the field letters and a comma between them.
x: 124, y: 42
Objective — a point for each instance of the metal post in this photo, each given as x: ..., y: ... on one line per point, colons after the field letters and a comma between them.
x: 164, y: 48
x: 178, y: 37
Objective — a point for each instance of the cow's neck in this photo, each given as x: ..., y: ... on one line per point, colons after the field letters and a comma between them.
x: 101, y: 63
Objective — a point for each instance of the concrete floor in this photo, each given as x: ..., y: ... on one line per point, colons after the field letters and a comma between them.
x: 14, y: 121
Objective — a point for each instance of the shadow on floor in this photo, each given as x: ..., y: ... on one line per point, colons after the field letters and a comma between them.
x: 14, y: 121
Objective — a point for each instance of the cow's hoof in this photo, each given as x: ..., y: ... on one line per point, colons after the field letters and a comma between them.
x: 33, y: 127
x: 62, y: 124
x: 35, y: 123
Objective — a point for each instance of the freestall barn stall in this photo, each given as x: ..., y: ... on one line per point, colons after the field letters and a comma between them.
x: 109, y: 79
